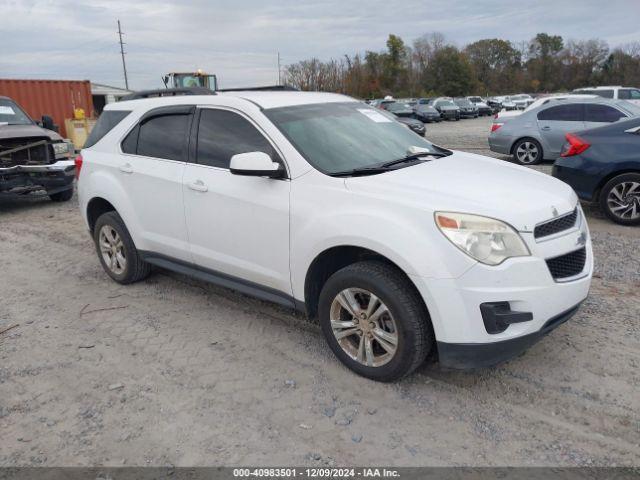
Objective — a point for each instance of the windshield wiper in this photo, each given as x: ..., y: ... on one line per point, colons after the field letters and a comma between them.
x: 360, y: 171
x: 385, y: 167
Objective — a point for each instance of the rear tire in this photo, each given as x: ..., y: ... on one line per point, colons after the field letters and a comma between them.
x: 620, y: 199
x: 116, y: 250
x: 404, y: 319
x: 63, y: 196
x: 527, y: 151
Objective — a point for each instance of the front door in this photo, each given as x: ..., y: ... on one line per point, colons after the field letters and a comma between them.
x: 237, y: 225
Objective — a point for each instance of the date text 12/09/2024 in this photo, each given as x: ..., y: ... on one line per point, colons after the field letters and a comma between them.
x: 316, y: 472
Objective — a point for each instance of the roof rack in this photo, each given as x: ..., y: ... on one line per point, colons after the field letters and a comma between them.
x: 266, y: 88
x: 168, y: 92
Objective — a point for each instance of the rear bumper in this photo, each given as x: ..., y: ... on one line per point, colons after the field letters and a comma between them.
x: 500, y: 143
x: 482, y: 355
x: 584, y: 183
x: 22, y: 179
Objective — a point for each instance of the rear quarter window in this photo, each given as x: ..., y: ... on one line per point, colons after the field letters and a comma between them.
x: 107, y: 121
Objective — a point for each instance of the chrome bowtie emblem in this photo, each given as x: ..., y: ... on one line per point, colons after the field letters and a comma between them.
x: 554, y: 211
x: 582, y: 239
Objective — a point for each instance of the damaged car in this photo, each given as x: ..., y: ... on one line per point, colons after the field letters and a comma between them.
x: 33, y: 159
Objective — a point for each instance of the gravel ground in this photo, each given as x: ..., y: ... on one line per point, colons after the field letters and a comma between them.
x: 174, y: 371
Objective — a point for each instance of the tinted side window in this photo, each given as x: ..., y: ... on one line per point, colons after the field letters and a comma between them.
x: 130, y: 142
x: 223, y: 134
x: 629, y: 94
x: 601, y: 113
x: 106, y: 122
x: 164, y: 136
x: 562, y: 113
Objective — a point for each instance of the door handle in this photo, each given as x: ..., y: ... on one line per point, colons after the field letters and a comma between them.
x: 547, y: 128
x: 198, y: 186
x: 126, y: 168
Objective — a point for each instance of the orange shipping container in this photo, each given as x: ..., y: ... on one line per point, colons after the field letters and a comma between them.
x: 56, y: 98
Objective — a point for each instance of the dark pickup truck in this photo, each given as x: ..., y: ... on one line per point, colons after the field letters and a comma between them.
x: 33, y: 159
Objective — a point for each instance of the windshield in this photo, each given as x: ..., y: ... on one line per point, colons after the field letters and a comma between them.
x: 475, y: 99
x: 462, y: 102
x: 12, y: 114
x: 445, y: 103
x: 338, y: 137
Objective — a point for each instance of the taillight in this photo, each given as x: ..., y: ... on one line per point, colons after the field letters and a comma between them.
x: 78, y: 166
x: 496, y: 126
x: 575, y: 146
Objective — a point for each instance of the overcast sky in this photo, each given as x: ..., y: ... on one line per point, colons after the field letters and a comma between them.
x: 239, y: 39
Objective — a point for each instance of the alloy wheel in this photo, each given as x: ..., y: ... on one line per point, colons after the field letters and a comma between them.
x: 624, y: 200
x: 112, y: 250
x: 527, y: 152
x: 364, y: 327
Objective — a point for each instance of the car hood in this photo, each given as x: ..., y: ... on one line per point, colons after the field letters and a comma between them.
x: 448, y: 107
x: 469, y: 183
x: 27, y: 131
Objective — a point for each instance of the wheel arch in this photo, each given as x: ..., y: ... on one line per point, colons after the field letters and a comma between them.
x: 610, y: 176
x: 95, y: 207
x: 527, y: 137
x: 334, y: 258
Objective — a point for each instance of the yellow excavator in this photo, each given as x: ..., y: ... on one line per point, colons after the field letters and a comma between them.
x: 190, y: 80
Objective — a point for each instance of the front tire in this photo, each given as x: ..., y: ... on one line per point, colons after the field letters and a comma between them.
x: 116, y: 250
x: 374, y: 321
x: 63, y: 196
x: 527, y: 151
x: 620, y: 199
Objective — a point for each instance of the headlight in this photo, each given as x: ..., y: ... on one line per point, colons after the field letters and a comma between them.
x: 60, y: 148
x: 485, y: 239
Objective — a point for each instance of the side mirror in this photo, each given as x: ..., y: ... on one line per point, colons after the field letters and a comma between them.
x: 255, y: 164
x: 47, y: 122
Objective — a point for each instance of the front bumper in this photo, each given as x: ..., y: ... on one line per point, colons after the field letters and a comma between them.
x: 468, y: 114
x: 22, y: 179
x: 450, y: 114
x: 472, y: 355
x: 525, y: 283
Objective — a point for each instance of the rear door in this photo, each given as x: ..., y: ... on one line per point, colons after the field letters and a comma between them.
x: 238, y: 225
x: 554, y: 122
x: 151, y: 169
x: 598, y: 114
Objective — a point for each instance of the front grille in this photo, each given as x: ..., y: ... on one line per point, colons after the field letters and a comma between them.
x: 568, y: 265
x: 557, y: 225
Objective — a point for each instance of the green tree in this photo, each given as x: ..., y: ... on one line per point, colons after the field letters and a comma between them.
x: 543, y: 60
x: 450, y: 73
x: 496, y: 64
x: 395, y: 64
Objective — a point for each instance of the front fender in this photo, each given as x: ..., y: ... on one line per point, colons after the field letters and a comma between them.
x: 417, y: 248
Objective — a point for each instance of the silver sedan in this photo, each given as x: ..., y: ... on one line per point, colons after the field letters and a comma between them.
x: 539, y: 133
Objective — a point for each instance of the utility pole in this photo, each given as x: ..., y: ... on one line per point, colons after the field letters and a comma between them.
x: 278, y: 68
x: 124, y: 65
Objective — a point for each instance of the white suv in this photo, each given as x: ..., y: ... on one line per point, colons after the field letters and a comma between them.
x: 616, y: 92
x: 319, y: 202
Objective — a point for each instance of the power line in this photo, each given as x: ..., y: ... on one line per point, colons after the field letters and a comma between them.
x: 124, y: 65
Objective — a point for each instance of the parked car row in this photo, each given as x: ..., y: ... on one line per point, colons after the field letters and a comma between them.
x: 594, y: 141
